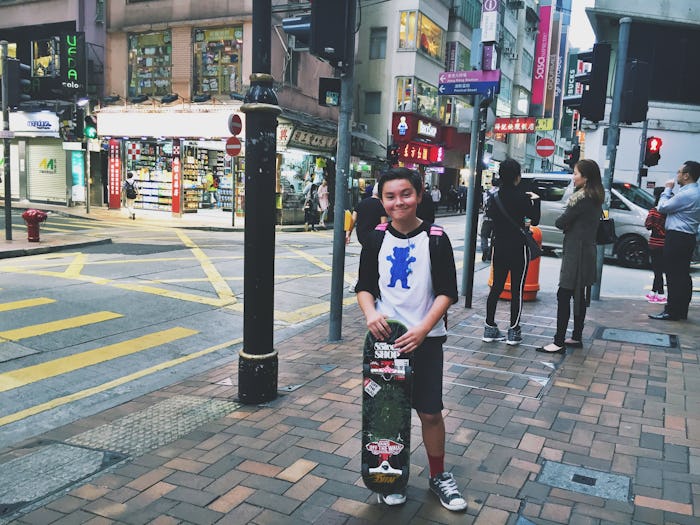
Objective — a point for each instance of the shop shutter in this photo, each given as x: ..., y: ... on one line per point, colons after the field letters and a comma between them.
x: 181, y: 59
x: 46, y: 170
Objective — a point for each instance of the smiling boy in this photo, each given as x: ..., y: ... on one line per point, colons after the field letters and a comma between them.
x: 400, y: 279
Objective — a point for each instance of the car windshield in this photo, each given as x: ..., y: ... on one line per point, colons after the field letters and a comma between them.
x: 635, y: 194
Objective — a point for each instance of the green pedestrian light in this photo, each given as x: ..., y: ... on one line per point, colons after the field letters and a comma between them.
x: 90, y: 128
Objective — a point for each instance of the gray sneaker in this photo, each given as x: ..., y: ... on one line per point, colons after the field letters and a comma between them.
x: 445, y: 487
x: 491, y: 334
x: 515, y: 336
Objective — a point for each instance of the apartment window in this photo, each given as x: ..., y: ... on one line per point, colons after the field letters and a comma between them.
x: 457, y: 57
x: 526, y: 64
x: 415, y: 95
x: 404, y: 94
x: 377, y: 43
x: 418, y: 32
x: 506, y: 88
x: 217, y: 60
x: 46, y: 60
x: 291, y: 70
x: 150, y: 63
x: 373, y: 102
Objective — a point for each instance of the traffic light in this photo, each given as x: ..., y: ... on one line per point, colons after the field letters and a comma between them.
x: 572, y: 156
x: 392, y: 154
x: 90, y: 127
x: 635, y: 92
x: 78, y: 122
x: 325, y: 30
x: 652, y: 153
x: 18, y: 82
x: 591, y: 103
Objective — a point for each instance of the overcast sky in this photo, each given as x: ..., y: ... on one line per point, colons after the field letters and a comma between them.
x: 580, y: 32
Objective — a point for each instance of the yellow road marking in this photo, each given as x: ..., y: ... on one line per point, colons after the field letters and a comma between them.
x: 75, y: 268
x: 60, y: 401
x: 32, y: 374
x: 55, y: 326
x: 25, y: 303
x: 311, y: 259
x: 218, y: 283
x: 175, y: 295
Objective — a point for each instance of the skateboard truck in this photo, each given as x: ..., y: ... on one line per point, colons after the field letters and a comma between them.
x: 385, y: 468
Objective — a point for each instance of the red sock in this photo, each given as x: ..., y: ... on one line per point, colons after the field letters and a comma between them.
x: 437, y: 465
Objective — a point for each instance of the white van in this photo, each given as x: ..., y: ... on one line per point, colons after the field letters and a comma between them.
x: 629, y: 205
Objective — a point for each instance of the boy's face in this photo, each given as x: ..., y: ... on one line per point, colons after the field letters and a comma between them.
x: 400, y: 199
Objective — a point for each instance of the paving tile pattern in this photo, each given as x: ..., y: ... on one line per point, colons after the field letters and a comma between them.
x: 613, y: 407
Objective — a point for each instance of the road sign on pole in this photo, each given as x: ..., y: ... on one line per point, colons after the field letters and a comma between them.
x: 545, y: 147
x: 233, y: 146
x: 235, y: 125
x: 469, y: 82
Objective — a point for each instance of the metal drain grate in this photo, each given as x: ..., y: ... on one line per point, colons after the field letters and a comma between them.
x: 47, y: 470
x: 155, y: 426
x: 585, y: 481
x: 637, y: 337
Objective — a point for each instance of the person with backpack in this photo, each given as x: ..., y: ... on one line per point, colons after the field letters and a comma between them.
x: 509, y: 253
x: 655, y: 223
x: 311, y: 209
x: 131, y: 193
x: 407, y: 273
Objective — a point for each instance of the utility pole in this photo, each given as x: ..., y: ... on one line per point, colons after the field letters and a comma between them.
x: 257, y: 362
x: 613, y: 138
x: 6, y: 142
x: 342, y: 169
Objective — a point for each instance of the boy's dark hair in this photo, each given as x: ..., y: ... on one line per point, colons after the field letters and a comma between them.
x: 402, y: 173
x: 509, y: 172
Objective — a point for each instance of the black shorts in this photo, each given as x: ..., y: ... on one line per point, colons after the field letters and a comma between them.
x: 427, y: 376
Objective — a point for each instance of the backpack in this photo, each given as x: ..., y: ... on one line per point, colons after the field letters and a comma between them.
x: 131, y: 190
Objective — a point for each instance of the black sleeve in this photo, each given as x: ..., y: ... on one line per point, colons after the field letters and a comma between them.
x: 368, y: 272
x: 444, y: 272
x: 534, y: 212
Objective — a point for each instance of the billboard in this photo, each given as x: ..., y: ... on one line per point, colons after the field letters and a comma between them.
x: 539, y: 74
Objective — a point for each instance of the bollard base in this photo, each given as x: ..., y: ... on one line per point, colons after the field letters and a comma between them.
x: 257, y: 377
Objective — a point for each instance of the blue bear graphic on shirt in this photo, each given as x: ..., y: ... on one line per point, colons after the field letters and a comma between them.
x: 400, y: 266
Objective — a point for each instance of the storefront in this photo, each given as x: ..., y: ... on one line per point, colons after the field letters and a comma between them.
x: 178, y: 157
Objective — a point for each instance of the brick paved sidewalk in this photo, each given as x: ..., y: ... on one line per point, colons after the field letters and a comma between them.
x: 531, y: 439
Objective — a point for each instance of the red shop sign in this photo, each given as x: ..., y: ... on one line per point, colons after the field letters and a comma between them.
x: 421, y: 153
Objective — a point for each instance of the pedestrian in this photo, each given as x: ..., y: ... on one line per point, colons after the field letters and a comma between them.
x: 436, y: 196
x: 462, y: 198
x: 655, y: 223
x: 311, y: 209
x: 212, y: 189
x: 426, y: 207
x: 428, y: 288
x: 682, y: 210
x: 452, y: 198
x: 130, y: 189
x: 510, y: 253
x: 323, y: 202
x: 486, y: 230
x: 579, y: 222
x: 367, y: 214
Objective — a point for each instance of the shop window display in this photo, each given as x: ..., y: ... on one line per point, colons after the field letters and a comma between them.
x: 46, y: 57
x: 152, y: 162
x: 198, y: 160
x: 413, y: 94
x: 217, y: 60
x: 418, y: 32
x: 150, y: 64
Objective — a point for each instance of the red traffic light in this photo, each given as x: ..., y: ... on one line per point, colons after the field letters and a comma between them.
x: 654, y: 144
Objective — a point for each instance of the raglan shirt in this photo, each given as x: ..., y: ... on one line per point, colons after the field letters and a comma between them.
x: 400, y: 277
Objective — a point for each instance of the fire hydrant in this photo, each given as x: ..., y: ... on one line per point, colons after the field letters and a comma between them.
x: 32, y: 218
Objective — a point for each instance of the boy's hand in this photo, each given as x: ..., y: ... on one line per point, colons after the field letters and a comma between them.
x: 411, y: 340
x: 376, y: 323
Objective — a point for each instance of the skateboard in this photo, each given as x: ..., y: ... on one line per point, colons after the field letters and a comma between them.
x: 386, y: 413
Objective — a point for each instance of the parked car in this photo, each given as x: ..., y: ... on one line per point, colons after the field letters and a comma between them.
x: 629, y: 205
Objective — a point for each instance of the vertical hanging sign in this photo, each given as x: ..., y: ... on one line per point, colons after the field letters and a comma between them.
x: 539, y: 74
x: 177, y: 179
x: 73, y: 65
x: 115, y: 175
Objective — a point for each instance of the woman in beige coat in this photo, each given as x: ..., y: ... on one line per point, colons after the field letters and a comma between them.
x: 578, y: 266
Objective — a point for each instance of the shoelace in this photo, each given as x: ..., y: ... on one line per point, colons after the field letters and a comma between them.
x: 448, y: 485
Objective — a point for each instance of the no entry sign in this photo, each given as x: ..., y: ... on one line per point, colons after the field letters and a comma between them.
x: 233, y: 146
x: 234, y: 124
x: 545, y: 147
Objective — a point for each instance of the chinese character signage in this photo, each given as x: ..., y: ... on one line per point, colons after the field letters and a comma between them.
x: 420, y: 153
x: 176, y: 193
x: 303, y: 138
x: 515, y: 125
x: 115, y: 175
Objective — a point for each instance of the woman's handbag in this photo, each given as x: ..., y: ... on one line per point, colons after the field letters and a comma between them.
x: 533, y: 247
x: 606, y: 230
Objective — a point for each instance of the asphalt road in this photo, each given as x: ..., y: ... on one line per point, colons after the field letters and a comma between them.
x: 82, y: 331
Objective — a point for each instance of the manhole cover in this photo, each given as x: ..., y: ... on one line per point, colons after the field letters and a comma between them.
x: 47, y: 470
x: 586, y: 481
x: 637, y: 337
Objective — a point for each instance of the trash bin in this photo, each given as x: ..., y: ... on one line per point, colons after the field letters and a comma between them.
x: 532, y: 281
x: 32, y: 218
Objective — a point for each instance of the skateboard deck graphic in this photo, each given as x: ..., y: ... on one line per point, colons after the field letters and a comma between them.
x: 386, y: 413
